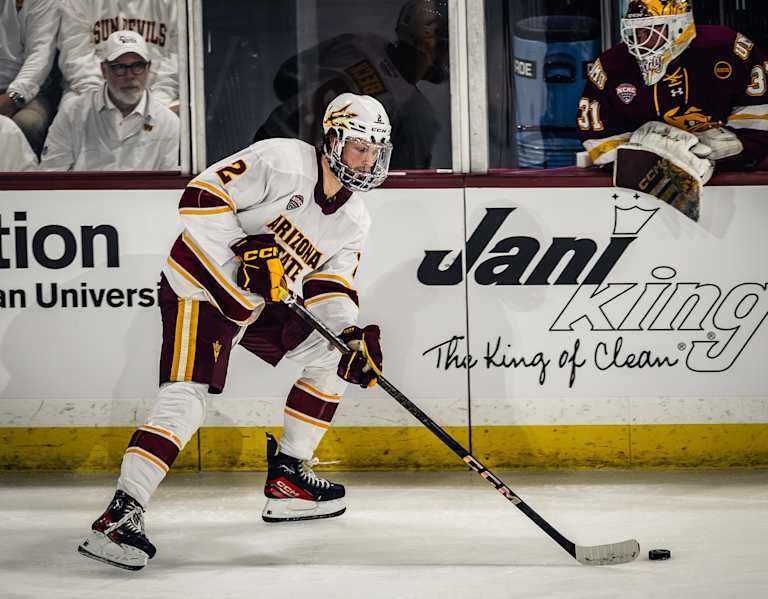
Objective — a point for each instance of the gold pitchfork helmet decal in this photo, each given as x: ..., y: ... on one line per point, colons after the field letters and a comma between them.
x: 338, y: 118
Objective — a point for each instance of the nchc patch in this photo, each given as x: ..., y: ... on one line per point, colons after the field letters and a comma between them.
x: 626, y: 92
x: 295, y: 202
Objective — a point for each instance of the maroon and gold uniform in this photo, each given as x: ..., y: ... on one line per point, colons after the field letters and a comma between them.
x: 721, y: 79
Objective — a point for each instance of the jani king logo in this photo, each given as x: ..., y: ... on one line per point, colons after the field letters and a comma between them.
x: 722, y: 320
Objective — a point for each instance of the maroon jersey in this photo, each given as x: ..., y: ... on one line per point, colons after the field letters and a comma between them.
x: 720, y: 80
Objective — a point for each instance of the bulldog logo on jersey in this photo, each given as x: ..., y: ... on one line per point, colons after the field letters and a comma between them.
x: 295, y: 202
x: 626, y: 92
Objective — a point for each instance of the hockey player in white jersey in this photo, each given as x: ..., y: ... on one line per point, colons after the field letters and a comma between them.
x: 277, y: 215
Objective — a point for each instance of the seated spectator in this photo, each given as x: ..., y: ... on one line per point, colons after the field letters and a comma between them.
x: 119, y: 126
x: 87, y: 24
x: 27, y: 35
x: 16, y: 154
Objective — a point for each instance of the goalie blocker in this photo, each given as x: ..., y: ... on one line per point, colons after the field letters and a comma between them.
x: 667, y: 163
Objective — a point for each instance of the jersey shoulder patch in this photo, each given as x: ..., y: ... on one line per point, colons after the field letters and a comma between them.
x: 742, y: 46
x: 597, y: 74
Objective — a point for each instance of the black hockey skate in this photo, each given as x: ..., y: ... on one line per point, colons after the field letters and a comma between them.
x: 117, y: 537
x: 295, y: 492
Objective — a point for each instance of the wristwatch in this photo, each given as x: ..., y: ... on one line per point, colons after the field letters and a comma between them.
x: 17, y: 99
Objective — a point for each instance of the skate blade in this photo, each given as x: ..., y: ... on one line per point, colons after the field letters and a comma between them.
x: 99, y: 547
x: 293, y: 510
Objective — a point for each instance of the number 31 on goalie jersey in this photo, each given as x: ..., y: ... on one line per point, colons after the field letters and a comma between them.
x: 589, y: 115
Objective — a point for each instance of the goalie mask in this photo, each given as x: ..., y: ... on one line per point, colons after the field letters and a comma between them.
x: 356, y: 141
x: 656, y: 32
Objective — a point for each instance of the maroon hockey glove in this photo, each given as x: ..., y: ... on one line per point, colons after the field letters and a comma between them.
x: 260, y: 270
x: 363, y: 364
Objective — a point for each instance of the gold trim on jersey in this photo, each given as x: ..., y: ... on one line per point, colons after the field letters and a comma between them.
x: 743, y: 120
x: 329, y: 277
x: 216, y: 274
x: 323, y: 297
x: 219, y: 193
x: 205, y: 211
x: 178, y: 268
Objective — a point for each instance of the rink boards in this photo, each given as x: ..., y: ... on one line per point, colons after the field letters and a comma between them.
x: 551, y: 328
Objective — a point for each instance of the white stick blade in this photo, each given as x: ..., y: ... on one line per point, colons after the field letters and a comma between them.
x: 606, y: 555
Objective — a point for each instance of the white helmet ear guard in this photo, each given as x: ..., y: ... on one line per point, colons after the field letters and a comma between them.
x: 363, y: 119
x: 656, y: 32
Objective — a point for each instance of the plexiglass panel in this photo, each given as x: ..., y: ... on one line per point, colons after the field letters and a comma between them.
x: 538, y: 55
x: 272, y: 67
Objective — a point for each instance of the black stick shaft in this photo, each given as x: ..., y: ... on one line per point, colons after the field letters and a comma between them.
x: 295, y: 303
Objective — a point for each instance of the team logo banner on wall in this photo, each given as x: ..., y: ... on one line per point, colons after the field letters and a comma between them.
x: 584, y: 293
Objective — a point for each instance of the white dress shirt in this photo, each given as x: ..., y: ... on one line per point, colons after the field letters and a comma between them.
x: 89, y: 133
x: 15, y: 151
x: 27, y: 44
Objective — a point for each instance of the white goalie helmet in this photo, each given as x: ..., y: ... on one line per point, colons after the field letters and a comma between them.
x: 656, y: 32
x: 361, y: 125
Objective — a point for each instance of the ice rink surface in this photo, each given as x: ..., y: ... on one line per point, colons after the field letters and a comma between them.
x: 405, y: 535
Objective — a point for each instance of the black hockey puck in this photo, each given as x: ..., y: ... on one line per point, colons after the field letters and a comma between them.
x: 656, y: 554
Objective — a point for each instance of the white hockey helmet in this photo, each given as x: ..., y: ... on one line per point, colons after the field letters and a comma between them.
x: 363, y: 120
x: 656, y: 32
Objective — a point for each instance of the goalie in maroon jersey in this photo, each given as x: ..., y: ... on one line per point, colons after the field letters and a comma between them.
x: 697, y: 97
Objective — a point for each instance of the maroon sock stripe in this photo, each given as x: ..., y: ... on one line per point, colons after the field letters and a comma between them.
x: 160, y: 447
x: 309, y: 405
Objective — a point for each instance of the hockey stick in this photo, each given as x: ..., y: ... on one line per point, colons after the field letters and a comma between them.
x: 594, y: 555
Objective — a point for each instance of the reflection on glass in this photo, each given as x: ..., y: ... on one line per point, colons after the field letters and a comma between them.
x: 395, y: 51
x: 538, y: 57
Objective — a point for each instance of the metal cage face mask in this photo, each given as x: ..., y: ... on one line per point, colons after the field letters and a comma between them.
x: 359, y: 124
x: 656, y: 40
x: 360, y: 180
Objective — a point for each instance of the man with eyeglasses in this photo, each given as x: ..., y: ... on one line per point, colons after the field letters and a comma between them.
x: 119, y: 126
x: 86, y: 26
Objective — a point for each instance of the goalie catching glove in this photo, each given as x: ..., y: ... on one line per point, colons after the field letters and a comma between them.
x: 667, y: 163
x: 363, y: 364
x: 260, y: 270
